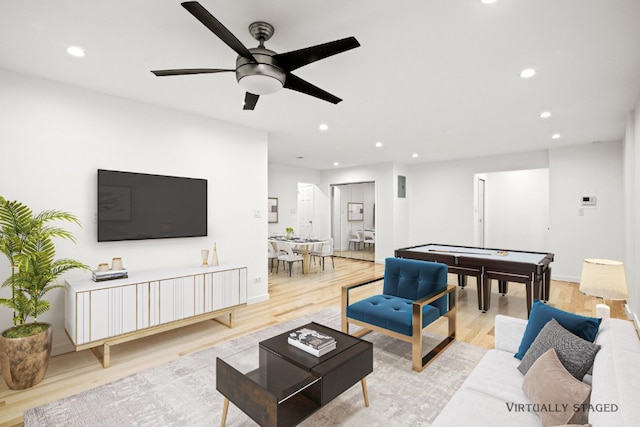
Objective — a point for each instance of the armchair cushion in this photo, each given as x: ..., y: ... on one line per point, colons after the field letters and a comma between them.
x: 413, y: 279
x: 389, y: 312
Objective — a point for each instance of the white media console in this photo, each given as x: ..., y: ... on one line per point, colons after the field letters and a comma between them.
x: 148, y: 302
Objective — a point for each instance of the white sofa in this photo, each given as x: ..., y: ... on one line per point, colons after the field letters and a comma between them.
x: 492, y: 392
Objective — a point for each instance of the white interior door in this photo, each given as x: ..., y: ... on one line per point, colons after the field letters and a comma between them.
x: 305, y: 210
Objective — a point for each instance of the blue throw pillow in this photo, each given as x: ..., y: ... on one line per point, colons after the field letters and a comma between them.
x: 582, y: 326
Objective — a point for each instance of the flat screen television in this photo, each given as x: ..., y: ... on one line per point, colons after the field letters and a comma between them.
x: 138, y: 206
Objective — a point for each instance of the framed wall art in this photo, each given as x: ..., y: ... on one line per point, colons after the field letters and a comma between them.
x: 355, y: 211
x: 272, y: 209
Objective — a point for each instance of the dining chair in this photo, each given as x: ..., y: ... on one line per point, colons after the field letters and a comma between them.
x: 271, y: 254
x: 369, y: 239
x: 285, y: 254
x: 325, y: 250
x: 356, y: 239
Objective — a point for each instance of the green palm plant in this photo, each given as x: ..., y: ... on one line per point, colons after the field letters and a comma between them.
x: 27, y: 242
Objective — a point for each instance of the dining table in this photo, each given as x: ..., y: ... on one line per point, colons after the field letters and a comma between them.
x: 303, y: 246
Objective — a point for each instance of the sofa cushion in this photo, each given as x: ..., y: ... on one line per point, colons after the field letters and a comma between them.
x: 497, y: 374
x: 583, y: 326
x: 469, y: 407
x: 558, y: 397
x: 577, y: 355
x: 390, y: 312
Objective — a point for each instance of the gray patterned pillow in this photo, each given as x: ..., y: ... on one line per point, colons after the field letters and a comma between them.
x: 575, y: 354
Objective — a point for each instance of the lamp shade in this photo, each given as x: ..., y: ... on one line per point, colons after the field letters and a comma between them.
x: 603, y: 278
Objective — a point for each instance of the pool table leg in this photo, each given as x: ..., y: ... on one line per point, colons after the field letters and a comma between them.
x: 545, y: 292
x: 462, y: 281
x: 486, y: 292
x: 503, y: 287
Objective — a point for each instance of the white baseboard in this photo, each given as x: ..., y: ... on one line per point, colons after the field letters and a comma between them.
x: 57, y: 349
x: 259, y: 298
x: 566, y: 278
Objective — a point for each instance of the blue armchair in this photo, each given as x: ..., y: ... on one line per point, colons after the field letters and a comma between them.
x: 414, y: 295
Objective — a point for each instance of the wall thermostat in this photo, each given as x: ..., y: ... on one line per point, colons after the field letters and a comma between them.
x: 588, y: 201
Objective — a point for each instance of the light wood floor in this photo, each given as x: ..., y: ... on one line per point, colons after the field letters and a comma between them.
x: 289, y: 298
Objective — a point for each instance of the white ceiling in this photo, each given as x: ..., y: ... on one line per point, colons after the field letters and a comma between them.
x: 439, y: 78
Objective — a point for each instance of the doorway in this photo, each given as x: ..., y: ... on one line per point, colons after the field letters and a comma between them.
x: 353, y: 223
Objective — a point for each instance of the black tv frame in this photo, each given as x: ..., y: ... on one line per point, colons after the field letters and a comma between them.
x: 142, y: 206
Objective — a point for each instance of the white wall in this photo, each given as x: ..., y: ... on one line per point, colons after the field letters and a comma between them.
x: 632, y: 210
x: 283, y: 184
x: 440, y: 205
x: 443, y: 204
x: 591, y: 169
x: 517, y: 210
x: 54, y: 138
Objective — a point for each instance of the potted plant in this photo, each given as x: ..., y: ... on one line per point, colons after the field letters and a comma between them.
x: 288, y: 232
x: 27, y: 242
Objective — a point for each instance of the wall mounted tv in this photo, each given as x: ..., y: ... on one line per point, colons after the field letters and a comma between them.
x: 138, y: 206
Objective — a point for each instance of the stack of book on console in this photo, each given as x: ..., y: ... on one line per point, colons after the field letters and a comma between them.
x: 312, y: 341
x: 99, y: 276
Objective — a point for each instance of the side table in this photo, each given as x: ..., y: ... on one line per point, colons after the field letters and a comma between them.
x: 277, y: 384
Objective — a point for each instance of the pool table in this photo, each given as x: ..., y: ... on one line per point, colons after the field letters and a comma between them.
x: 486, y: 264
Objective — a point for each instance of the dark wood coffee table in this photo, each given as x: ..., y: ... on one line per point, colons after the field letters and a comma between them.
x: 277, y: 384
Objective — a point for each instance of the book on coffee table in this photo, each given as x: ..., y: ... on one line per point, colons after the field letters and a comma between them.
x: 312, y: 341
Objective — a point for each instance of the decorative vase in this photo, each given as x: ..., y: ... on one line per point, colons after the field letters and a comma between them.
x: 24, y: 361
x: 116, y: 264
x: 205, y: 257
x: 214, y: 257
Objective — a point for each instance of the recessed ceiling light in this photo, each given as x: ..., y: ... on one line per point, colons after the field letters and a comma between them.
x: 414, y: 155
x: 323, y: 127
x: 76, y: 51
x: 527, y: 73
x: 488, y: 1
x: 336, y: 164
x: 555, y: 136
x: 545, y: 115
x: 378, y: 144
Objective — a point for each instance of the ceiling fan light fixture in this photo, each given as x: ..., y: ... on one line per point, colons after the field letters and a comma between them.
x: 260, y: 84
x: 262, y: 77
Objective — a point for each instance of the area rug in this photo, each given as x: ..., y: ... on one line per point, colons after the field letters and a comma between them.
x: 183, y: 392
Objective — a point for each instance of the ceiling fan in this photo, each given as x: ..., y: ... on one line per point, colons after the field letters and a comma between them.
x: 260, y: 71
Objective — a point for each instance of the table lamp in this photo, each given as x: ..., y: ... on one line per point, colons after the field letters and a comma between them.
x: 604, y: 279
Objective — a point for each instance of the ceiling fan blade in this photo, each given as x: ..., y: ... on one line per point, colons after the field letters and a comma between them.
x: 293, y: 60
x: 296, y: 83
x: 250, y: 101
x: 202, y: 15
x: 180, y: 72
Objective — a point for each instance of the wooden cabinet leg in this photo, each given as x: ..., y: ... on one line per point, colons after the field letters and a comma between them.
x: 106, y: 355
x: 365, y: 394
x: 225, y: 409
